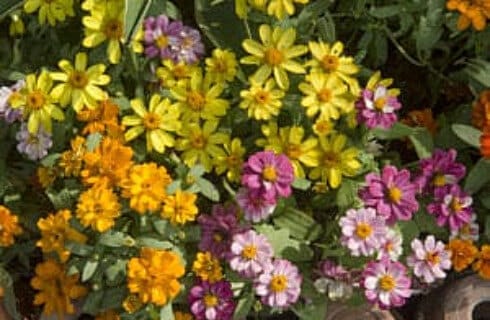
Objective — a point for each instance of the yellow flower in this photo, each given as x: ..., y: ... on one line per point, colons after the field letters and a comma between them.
x: 335, y: 161
x: 55, y: 230
x: 182, y: 316
x: 46, y: 176
x: 201, y: 144
x: 323, y: 127
x: 173, y: 74
x: 242, y: 7
x: 132, y: 303
x: 281, y: 8
x: 17, y: 27
x: 80, y: 85
x: 290, y: 141
x: 108, y: 315
x: 36, y: 102
x: 200, y: 100
x: 136, y: 42
x: 375, y: 80
x: 106, y: 24
x: 232, y: 161
x: 146, y: 187
x: 56, y: 288
x: 325, y: 95
x: 158, y: 121
x: 71, y: 160
x: 98, y: 207
x: 275, y: 55
x: 180, y: 208
x: 207, y: 267
x: 50, y: 10
x: 262, y: 101
x: 154, y: 275
x: 222, y: 66
x: 9, y: 227
x: 329, y: 59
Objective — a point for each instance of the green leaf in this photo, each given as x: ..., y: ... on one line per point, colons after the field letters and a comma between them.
x: 208, y: 189
x: 398, y: 131
x: 93, y: 141
x: 300, y: 225
x: 385, y: 11
x: 119, y: 267
x: 326, y: 28
x: 478, y: 176
x: 164, y: 7
x: 9, y: 299
x: 89, y: 270
x: 134, y: 13
x: 422, y: 142
x: 197, y: 170
x: 153, y: 243
x: 311, y: 12
x: 346, y: 194
x: 50, y: 160
x: 7, y: 6
x: 283, y: 245
x: 409, y: 230
x: 93, y: 302
x: 66, y: 198
x: 244, y: 305
x: 479, y: 70
x: 79, y: 249
x: 468, y: 134
x: 122, y: 102
x: 115, y: 239
x: 166, y: 312
x: 301, y: 184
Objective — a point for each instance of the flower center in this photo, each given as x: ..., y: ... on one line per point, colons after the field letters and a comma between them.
x: 439, y: 180
x: 379, y: 104
x: 293, y: 151
x: 273, y: 56
x: 363, y: 230
x: 35, y: 100
x: 233, y: 160
x: 269, y: 173
x: 330, y: 159
x: 198, y: 141
x: 249, y: 252
x: 324, y: 95
x: 220, y: 66
x: 113, y: 29
x: 278, y: 283
x: 323, y: 127
x: 433, y: 258
x: 217, y: 237
x: 387, y: 282
x: 329, y: 63
x: 78, y: 79
x: 161, y: 41
x: 196, y: 100
x: 210, y: 300
x: 395, y: 194
x: 262, y: 97
x: 456, y: 205
x: 179, y: 71
x: 151, y: 121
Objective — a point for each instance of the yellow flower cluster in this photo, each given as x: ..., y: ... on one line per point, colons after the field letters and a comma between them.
x: 278, y: 8
x: 9, y: 227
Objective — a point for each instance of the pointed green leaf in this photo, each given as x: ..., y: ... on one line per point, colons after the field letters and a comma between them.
x: 134, y: 13
x: 89, y: 270
x: 478, y: 176
x: 422, y: 142
x: 398, y: 131
x: 468, y: 134
x: 166, y: 312
x: 208, y: 189
x: 93, y: 141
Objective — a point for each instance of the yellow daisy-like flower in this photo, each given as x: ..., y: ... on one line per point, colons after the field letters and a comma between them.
x: 98, y: 207
x: 201, y: 144
x: 375, y: 80
x: 71, y: 160
x: 262, y: 101
x: 9, y: 227
x: 290, y: 141
x: 242, y: 7
x: 55, y: 230
x: 153, y: 276
x: 207, y: 267
x: 80, y: 85
x: 325, y: 95
x: 50, y: 11
x: 200, y: 100
x: 180, y: 208
x: 36, y: 102
x: 275, y: 55
x: 146, y: 186
x: 323, y: 127
x: 222, y: 65
x: 172, y: 74
x: 106, y: 24
x: 108, y: 315
x: 329, y: 59
x: 232, y: 161
x: 282, y: 8
x: 335, y: 161
x: 56, y: 288
x: 159, y: 121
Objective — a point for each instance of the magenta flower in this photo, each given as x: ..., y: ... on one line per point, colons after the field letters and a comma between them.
x: 376, y: 109
x: 211, y: 301
x: 160, y: 36
x: 269, y: 174
x: 34, y: 146
x: 391, y: 194
x: 190, y: 47
x: 329, y: 269
x: 386, y: 283
x: 250, y: 252
x: 469, y: 231
x: 439, y: 170
x: 279, y: 285
x: 254, y: 207
x: 429, y: 259
x: 362, y: 231
x: 391, y: 247
x: 451, y: 206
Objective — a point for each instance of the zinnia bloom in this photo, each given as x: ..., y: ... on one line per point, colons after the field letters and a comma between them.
x: 34, y: 145
x: 279, y: 285
x: 249, y: 253
x: 160, y: 34
x: 211, y: 301
x: 154, y: 275
x: 391, y: 246
x: 329, y: 269
x: 108, y: 315
x: 8, y: 113
x: 50, y: 11
x: 362, y: 231
x: 71, y: 160
x: 103, y: 119
x: 207, y: 267
x: 485, y: 143
x: 9, y: 227
x: 255, y: 208
x: 190, y: 47
x: 98, y: 207
x: 463, y: 253
x: 429, y: 259
x: 182, y: 316
x: 386, y: 283
x: 391, y: 193
x: 451, y: 206
x: 262, y: 100
x: 480, y: 116
x: 232, y: 161
x: 472, y: 12
x: 222, y: 65
x: 282, y: 8
x: 172, y: 74
x: 469, y: 231
x: 180, y: 208
x: 482, y: 264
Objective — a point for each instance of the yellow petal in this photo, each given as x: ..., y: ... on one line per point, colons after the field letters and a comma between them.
x: 81, y: 61
x: 133, y: 133
x: 138, y: 107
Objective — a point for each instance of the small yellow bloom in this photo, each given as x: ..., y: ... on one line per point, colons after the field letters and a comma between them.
x: 232, y: 161
x: 262, y: 101
x: 97, y: 208
x: 282, y: 8
x: 222, y: 65
x: 71, y: 160
x: 17, y: 27
x: 180, y: 208
x: 9, y: 227
x: 172, y: 74
x: 323, y: 127
x: 207, y: 267
x: 50, y: 11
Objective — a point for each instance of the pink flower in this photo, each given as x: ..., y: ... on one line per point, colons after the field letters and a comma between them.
x: 362, y: 231
x: 391, y: 247
x: 250, y: 251
x: 469, y: 231
x: 386, y: 283
x: 254, y: 207
x: 429, y: 259
x: 391, y: 194
x: 330, y: 269
x: 452, y: 206
x: 377, y: 108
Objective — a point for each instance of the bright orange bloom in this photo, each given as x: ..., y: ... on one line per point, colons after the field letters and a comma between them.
x: 473, y: 12
x: 480, y: 117
x: 9, y: 227
x: 103, y: 120
x: 182, y: 316
x: 421, y: 118
x: 180, y: 208
x: 463, y: 253
x: 71, y: 160
x: 485, y: 143
x: 482, y: 264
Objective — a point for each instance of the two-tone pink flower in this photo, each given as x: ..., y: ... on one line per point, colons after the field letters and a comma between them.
x: 250, y: 253
x: 451, y: 206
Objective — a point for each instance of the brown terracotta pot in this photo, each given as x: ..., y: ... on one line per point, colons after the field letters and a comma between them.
x: 338, y: 311
x: 3, y: 313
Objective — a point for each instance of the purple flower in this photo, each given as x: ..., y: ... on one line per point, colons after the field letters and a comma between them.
x: 329, y: 269
x: 254, y: 207
x: 451, y: 206
x: 429, y: 259
x: 362, y: 231
x: 469, y: 231
x: 439, y: 170
x: 391, y: 194
x: 391, y: 247
x: 377, y: 108
x: 160, y: 36
x: 36, y: 146
x: 250, y: 251
x: 8, y: 113
x: 279, y: 285
x: 190, y: 47
x: 386, y: 283
x: 270, y: 174
x: 212, y: 301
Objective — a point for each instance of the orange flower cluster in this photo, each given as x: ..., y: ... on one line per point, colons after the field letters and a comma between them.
x: 473, y: 12
x: 103, y: 120
x: 481, y: 119
x: 464, y: 253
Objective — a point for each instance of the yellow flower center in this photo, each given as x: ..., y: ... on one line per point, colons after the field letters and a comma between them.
x: 36, y: 100
x: 151, y: 121
x: 395, y: 194
x: 293, y: 151
x: 323, y: 127
x: 331, y: 159
x: 220, y: 66
x: 196, y: 100
x: 269, y: 173
x: 249, y: 252
x: 278, y: 283
x: 161, y: 41
x: 329, y: 63
x: 379, y: 104
x: 262, y: 97
x: 387, y: 283
x: 433, y: 258
x: 456, y: 205
x: 198, y: 141
x: 217, y: 237
x: 439, y: 180
x: 210, y: 300
x: 179, y: 71
x: 324, y: 95
x: 233, y: 160
x: 273, y: 57
x: 363, y: 230
x: 113, y: 29
x: 78, y: 79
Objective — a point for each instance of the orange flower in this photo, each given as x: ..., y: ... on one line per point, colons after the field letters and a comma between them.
x: 9, y: 227
x: 463, y: 253
x: 421, y: 118
x: 480, y: 116
x: 473, y: 12
x: 482, y: 264
x: 71, y: 160
x: 485, y: 143
x: 103, y: 119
